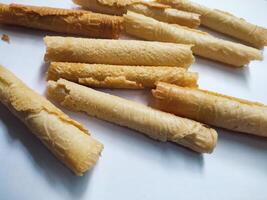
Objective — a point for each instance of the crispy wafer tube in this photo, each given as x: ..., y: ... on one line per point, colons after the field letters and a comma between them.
x: 205, y: 45
x: 153, y: 123
x: 68, y: 140
x: 158, y: 11
x: 213, y: 108
x: 224, y: 22
x: 117, y: 76
x: 77, y: 22
x: 165, y: 13
x: 117, y: 52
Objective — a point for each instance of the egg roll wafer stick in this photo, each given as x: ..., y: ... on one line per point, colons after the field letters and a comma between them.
x: 165, y: 13
x: 76, y: 22
x: 205, y: 45
x: 153, y: 123
x: 223, y: 22
x: 155, y: 10
x: 117, y: 76
x: 117, y: 52
x: 67, y: 139
x: 213, y: 108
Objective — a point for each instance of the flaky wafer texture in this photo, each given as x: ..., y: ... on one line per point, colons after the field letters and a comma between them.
x: 213, y: 108
x: 224, y: 22
x: 165, y: 13
x: 67, y: 139
x: 153, y: 123
x: 119, y: 76
x: 117, y: 52
x: 205, y: 45
x: 76, y: 22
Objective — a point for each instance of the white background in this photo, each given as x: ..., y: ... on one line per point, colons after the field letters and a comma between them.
x: 133, y: 166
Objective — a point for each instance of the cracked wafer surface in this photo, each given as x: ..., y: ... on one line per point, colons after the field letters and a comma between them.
x: 120, y: 76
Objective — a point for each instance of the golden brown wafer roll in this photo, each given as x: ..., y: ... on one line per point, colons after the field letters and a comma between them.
x: 158, y: 11
x: 213, y: 108
x: 67, y: 139
x: 116, y: 76
x: 117, y: 52
x: 165, y: 13
x: 205, y: 45
x: 77, y: 22
x: 153, y: 123
x: 224, y: 22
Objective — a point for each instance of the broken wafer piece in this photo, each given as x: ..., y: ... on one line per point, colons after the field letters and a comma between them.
x: 156, y: 10
x: 213, y: 108
x: 153, y: 123
x: 117, y: 76
x: 224, y: 22
x: 205, y: 45
x: 117, y: 52
x: 67, y: 139
x: 76, y: 22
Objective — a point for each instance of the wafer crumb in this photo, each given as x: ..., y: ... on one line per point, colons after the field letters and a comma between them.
x: 5, y: 38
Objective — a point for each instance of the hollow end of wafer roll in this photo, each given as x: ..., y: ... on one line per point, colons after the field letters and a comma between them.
x: 204, y: 139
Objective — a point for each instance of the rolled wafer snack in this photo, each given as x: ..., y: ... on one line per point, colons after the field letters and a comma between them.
x: 155, y: 10
x: 117, y: 76
x: 205, y: 45
x: 153, y: 123
x: 223, y: 22
x: 77, y: 22
x: 67, y: 139
x: 165, y: 13
x: 117, y: 52
x: 213, y: 108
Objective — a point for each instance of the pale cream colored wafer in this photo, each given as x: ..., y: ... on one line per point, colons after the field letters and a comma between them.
x: 205, y: 45
x: 117, y: 76
x: 77, y: 22
x: 156, y: 10
x: 153, y: 123
x: 224, y: 22
x: 117, y: 52
x: 165, y: 13
x: 67, y: 139
x: 213, y: 108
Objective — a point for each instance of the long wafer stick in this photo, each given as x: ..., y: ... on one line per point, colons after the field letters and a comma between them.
x: 224, y: 22
x: 213, y: 108
x: 161, y: 12
x: 205, y: 45
x: 153, y: 123
x: 117, y: 52
x: 68, y: 140
x: 76, y: 22
x: 117, y: 76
